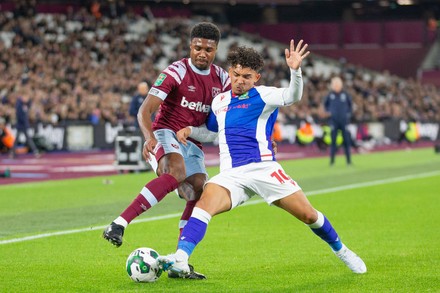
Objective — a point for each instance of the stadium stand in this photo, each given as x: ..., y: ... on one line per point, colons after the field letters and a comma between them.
x: 84, y: 67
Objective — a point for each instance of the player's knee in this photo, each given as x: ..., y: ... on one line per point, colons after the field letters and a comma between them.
x: 175, y: 171
x: 194, y: 195
x: 188, y: 191
x: 214, y: 201
x: 173, y: 165
x: 194, y: 185
x: 207, y: 206
x: 180, y: 176
x: 309, y: 216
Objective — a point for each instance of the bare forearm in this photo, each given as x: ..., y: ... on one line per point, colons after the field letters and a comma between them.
x: 147, y: 109
x: 145, y: 124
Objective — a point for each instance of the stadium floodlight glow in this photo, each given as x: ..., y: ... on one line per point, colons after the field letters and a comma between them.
x: 356, y: 5
x: 384, y: 3
x: 405, y: 2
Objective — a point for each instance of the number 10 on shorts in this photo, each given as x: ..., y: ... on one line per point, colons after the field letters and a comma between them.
x: 282, y: 177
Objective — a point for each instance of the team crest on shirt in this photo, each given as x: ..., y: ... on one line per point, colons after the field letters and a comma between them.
x: 175, y: 146
x: 160, y: 79
x: 215, y: 91
x: 244, y: 96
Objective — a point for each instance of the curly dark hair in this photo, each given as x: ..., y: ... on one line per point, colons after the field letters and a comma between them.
x: 246, y: 57
x: 206, y: 30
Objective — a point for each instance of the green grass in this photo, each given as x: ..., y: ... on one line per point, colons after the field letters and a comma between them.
x: 393, y: 226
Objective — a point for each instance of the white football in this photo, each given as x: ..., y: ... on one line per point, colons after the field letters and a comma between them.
x: 142, y: 266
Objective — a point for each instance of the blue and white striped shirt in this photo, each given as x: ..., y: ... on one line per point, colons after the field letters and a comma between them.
x: 245, y: 123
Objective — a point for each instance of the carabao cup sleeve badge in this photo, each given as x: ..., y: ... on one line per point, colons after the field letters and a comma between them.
x: 160, y: 79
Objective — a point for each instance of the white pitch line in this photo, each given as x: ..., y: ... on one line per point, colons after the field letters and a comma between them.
x: 375, y: 182
x: 315, y: 192
x: 65, y: 232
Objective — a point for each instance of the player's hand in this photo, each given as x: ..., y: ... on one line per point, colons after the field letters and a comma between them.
x: 149, y: 146
x: 274, y: 147
x: 295, y: 56
x: 183, y: 134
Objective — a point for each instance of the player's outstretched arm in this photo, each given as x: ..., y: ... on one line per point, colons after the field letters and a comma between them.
x: 295, y: 56
x: 201, y: 133
x: 183, y: 134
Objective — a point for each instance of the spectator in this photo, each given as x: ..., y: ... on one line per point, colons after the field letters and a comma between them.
x: 71, y: 62
x: 137, y: 100
x: 147, y: 13
x: 339, y: 106
x: 22, y: 107
x: 6, y: 137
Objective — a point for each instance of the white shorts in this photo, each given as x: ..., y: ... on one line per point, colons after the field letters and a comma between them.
x: 266, y: 179
x: 192, y: 154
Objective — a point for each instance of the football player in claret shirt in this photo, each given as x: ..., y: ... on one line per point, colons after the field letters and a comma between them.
x: 182, y: 94
x: 243, y: 119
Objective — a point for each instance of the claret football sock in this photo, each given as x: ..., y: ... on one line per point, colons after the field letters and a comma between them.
x: 150, y: 195
x: 186, y: 214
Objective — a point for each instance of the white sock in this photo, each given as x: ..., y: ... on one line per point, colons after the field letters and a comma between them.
x: 319, y: 222
x: 202, y: 215
x: 181, y: 255
x: 121, y: 221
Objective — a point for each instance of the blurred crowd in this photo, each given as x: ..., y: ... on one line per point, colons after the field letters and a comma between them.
x: 376, y: 96
x: 85, y: 65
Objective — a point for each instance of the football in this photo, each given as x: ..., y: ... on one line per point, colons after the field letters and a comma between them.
x: 142, y: 266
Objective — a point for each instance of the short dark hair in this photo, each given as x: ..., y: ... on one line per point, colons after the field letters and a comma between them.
x: 206, y: 30
x: 246, y: 57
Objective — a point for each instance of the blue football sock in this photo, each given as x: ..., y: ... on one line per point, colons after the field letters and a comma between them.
x: 325, y: 230
x: 194, y: 230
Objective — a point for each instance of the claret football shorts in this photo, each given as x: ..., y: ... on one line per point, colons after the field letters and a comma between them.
x: 192, y: 154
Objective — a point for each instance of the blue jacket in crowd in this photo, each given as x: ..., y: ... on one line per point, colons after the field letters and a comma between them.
x: 339, y: 105
x: 22, y: 113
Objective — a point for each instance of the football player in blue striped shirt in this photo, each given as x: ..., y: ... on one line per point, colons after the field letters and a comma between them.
x: 243, y: 119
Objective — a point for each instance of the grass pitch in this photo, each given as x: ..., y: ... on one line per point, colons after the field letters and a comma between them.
x: 385, y: 208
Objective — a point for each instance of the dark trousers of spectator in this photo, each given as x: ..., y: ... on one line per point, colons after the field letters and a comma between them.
x: 29, y: 141
x: 346, y: 136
